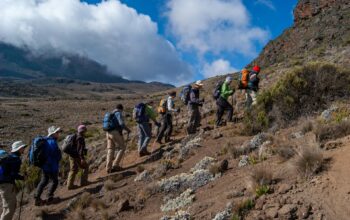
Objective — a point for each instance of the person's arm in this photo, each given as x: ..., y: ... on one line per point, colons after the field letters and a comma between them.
x: 81, y: 148
x: 195, y: 100
x: 226, y: 91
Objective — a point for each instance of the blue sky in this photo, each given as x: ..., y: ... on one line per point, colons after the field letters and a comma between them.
x: 273, y: 16
x: 171, y: 41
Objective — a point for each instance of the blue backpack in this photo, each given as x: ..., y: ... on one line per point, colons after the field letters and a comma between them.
x: 110, y: 122
x: 140, y: 113
x: 185, y: 94
x: 4, y: 168
x: 37, y: 155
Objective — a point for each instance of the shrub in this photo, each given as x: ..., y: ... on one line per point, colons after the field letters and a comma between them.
x: 326, y: 132
x: 234, y: 151
x: 262, y: 190
x: 308, y: 161
x: 109, y: 185
x: 140, y: 168
x: 307, y: 127
x: 285, y: 152
x: 32, y: 175
x: 260, y: 176
x: 300, y: 92
x: 243, y: 207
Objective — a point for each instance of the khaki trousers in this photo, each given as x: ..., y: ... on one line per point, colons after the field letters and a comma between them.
x: 9, y: 201
x: 115, y: 141
x: 74, y: 165
x: 250, y: 98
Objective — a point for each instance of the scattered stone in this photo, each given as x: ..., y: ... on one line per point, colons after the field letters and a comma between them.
x: 244, y: 161
x: 224, y: 215
x: 260, y: 202
x: 223, y: 166
x: 188, y: 144
x: 145, y: 176
x: 287, y: 210
x: 257, y: 141
x: 271, y: 212
x: 235, y: 194
x: 216, y: 135
x: 327, y: 114
x: 185, y: 199
x: 304, y: 212
x: 203, y: 164
x: 284, y: 188
x: 180, y: 215
x: 333, y: 145
x: 123, y: 205
x: 263, y: 150
x: 297, y: 135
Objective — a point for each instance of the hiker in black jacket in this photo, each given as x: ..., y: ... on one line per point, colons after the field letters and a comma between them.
x: 9, y: 172
x: 193, y: 108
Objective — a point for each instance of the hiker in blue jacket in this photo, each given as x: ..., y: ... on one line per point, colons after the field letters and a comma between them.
x: 51, y: 166
x: 9, y: 172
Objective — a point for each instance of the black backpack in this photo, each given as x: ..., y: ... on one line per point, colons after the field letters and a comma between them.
x: 69, y: 144
x: 4, y: 165
x: 185, y: 94
x: 140, y: 113
x: 217, y: 90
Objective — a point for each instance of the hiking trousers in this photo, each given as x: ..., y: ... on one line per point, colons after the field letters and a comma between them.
x: 145, y: 134
x: 167, y: 127
x: 222, y: 106
x: 45, y: 178
x: 250, y: 98
x: 115, y: 141
x: 74, y: 166
x: 194, y: 119
x: 9, y: 201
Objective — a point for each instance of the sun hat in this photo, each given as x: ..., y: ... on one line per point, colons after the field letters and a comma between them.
x: 16, y: 146
x: 199, y: 83
x: 53, y: 130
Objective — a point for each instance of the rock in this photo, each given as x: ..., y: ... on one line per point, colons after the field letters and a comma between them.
x: 271, y: 212
x: 185, y: 199
x: 234, y: 194
x: 287, y: 210
x: 224, y: 215
x: 144, y: 176
x: 263, y: 150
x: 203, y: 164
x: 333, y: 145
x: 216, y: 135
x: 284, y: 188
x: 180, y: 215
x: 297, y: 135
x: 123, y: 205
x: 188, y: 144
x: 223, y: 166
x: 244, y: 161
x: 304, y: 212
x: 260, y: 202
x: 327, y: 114
x: 257, y: 141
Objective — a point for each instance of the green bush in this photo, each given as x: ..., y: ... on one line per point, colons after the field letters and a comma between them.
x: 262, y: 190
x: 32, y: 177
x: 300, y: 92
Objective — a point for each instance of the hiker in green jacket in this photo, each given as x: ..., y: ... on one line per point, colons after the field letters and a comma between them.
x: 222, y: 102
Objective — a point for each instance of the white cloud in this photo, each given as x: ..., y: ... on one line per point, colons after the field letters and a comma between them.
x: 214, y: 26
x: 267, y: 3
x: 218, y: 67
x: 109, y: 32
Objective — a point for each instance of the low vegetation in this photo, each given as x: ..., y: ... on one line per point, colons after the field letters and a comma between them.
x: 300, y: 92
x: 261, y: 178
x: 308, y: 161
x: 331, y: 131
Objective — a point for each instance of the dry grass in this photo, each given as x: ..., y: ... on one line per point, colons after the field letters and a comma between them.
x: 308, y: 161
x: 109, y: 185
x: 234, y: 151
x: 326, y: 132
x: 307, y: 127
x: 140, y: 168
x: 260, y: 176
x: 83, y: 202
x: 285, y: 152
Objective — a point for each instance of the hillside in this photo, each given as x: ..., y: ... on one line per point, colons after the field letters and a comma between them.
x: 287, y: 158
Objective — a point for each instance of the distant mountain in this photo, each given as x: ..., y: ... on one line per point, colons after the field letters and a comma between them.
x: 21, y: 63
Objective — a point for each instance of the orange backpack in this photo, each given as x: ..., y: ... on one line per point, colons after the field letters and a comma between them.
x: 244, y: 80
x: 162, y: 106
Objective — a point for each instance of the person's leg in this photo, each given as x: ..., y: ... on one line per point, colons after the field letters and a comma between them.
x: 141, y: 136
x: 9, y: 201
x: 43, y: 183
x: 169, y: 129
x: 110, y: 151
x: 121, y: 149
x: 73, y: 165
x: 146, y: 129
x: 229, y: 109
x: 219, y: 113
x: 84, y: 176
x: 191, y: 120
x: 53, y: 187
x: 162, y: 128
x: 198, y: 119
x: 253, y: 95
x: 249, y: 100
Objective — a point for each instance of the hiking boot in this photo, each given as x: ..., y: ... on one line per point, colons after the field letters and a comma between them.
x: 115, y: 169
x: 52, y: 200
x: 39, y: 202
x: 85, y: 183
x: 144, y: 153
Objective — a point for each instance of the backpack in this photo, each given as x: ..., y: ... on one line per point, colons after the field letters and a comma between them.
x: 37, y: 155
x: 4, y: 168
x: 217, y: 90
x: 110, y: 122
x: 244, y: 79
x: 162, y: 109
x: 69, y: 144
x: 185, y: 94
x: 140, y: 113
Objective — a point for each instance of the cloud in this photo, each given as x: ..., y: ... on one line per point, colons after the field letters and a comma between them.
x: 214, y: 26
x: 267, y: 3
x: 109, y: 32
x: 218, y: 67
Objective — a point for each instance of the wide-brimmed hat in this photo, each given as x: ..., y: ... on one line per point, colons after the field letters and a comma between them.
x: 199, y: 83
x: 53, y: 130
x: 16, y: 146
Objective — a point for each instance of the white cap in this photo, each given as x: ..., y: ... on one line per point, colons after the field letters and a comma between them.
x: 53, y: 130
x: 228, y: 79
x: 199, y: 83
x: 16, y: 146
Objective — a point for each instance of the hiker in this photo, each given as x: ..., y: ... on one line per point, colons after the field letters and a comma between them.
x: 142, y: 114
x: 77, y: 160
x: 253, y: 87
x: 193, y: 108
x: 166, y: 109
x: 9, y: 172
x: 114, y: 126
x: 223, y: 103
x: 50, y: 168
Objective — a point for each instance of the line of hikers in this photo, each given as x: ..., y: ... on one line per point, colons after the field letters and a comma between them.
x: 46, y: 154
